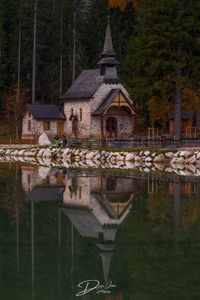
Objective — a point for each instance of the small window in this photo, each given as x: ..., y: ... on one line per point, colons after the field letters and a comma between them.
x: 80, y: 192
x: 29, y: 125
x: 46, y: 126
x: 29, y: 115
x: 29, y: 179
x: 48, y: 179
x: 81, y: 114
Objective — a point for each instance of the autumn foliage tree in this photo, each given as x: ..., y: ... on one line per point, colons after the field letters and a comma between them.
x: 162, y: 102
x: 122, y: 3
x: 14, y: 106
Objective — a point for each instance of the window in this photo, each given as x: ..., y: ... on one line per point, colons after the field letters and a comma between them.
x: 81, y: 114
x: 28, y: 179
x: 29, y: 125
x: 29, y: 115
x: 80, y: 192
x: 46, y: 126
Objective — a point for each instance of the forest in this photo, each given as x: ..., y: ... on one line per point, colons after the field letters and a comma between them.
x: 157, y: 44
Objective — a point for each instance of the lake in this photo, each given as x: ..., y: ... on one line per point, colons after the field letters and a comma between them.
x: 113, y: 235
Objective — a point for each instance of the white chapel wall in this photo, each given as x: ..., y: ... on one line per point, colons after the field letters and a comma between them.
x: 84, y: 125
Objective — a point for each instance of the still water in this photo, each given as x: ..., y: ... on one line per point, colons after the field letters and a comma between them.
x: 68, y: 234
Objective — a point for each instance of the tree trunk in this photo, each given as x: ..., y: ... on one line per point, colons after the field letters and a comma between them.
x: 178, y: 106
x: 19, y: 61
x: 34, y: 51
x: 74, y: 44
x: 61, y: 46
x: 18, y: 73
x: 178, y: 113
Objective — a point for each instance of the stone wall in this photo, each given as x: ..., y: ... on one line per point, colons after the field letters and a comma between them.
x: 31, y: 177
x: 125, y: 126
x: 84, y: 125
x: 96, y: 126
x: 26, y: 133
x: 36, y: 127
x: 77, y: 192
x: 184, y: 163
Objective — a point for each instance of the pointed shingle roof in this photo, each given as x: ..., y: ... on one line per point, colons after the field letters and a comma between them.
x: 85, y: 86
x: 108, y: 56
x: 108, y: 44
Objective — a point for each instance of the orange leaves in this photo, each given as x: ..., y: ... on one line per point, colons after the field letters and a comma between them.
x: 191, y: 100
x: 160, y: 114
x: 14, y: 106
x: 14, y: 103
x: 122, y: 3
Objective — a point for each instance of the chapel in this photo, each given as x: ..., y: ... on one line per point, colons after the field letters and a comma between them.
x: 97, y: 105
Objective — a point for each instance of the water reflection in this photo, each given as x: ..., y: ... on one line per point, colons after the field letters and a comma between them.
x: 96, y: 205
x: 61, y: 226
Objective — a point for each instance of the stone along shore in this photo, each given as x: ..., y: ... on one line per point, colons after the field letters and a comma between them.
x: 185, y: 162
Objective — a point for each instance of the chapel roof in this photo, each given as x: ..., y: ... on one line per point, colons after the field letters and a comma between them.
x: 89, y: 81
x: 108, y: 44
x: 85, y: 86
x: 108, y: 56
x: 108, y: 99
x: 46, y: 111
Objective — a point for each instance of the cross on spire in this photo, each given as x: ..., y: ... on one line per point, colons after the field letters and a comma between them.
x: 108, y: 13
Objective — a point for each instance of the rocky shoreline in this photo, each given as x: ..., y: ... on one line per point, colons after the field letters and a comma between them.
x: 183, y: 162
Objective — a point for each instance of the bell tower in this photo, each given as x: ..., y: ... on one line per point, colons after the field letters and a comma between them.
x: 108, y: 60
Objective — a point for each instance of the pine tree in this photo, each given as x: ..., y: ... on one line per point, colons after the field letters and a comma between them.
x: 166, y: 42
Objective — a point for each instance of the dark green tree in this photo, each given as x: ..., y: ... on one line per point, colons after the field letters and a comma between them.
x: 163, y: 56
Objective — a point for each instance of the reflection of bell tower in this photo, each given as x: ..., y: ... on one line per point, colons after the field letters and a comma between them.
x: 106, y: 253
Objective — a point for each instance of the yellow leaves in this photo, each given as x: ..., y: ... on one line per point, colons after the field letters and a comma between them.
x: 158, y: 109
x: 190, y: 101
x: 14, y: 102
x: 122, y: 3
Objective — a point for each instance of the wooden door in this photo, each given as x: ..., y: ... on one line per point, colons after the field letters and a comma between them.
x: 60, y: 128
x: 111, y: 127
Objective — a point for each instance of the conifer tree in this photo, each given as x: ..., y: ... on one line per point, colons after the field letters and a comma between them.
x: 165, y: 44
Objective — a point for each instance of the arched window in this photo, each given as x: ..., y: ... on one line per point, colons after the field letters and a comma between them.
x: 81, y: 114
x: 29, y: 125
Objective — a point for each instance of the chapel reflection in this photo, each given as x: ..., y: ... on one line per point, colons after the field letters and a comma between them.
x: 97, y: 205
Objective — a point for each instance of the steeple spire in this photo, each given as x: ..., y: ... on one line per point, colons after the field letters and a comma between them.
x: 108, y: 44
x: 108, y: 60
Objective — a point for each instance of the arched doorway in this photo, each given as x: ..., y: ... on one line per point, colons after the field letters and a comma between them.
x: 111, y: 127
